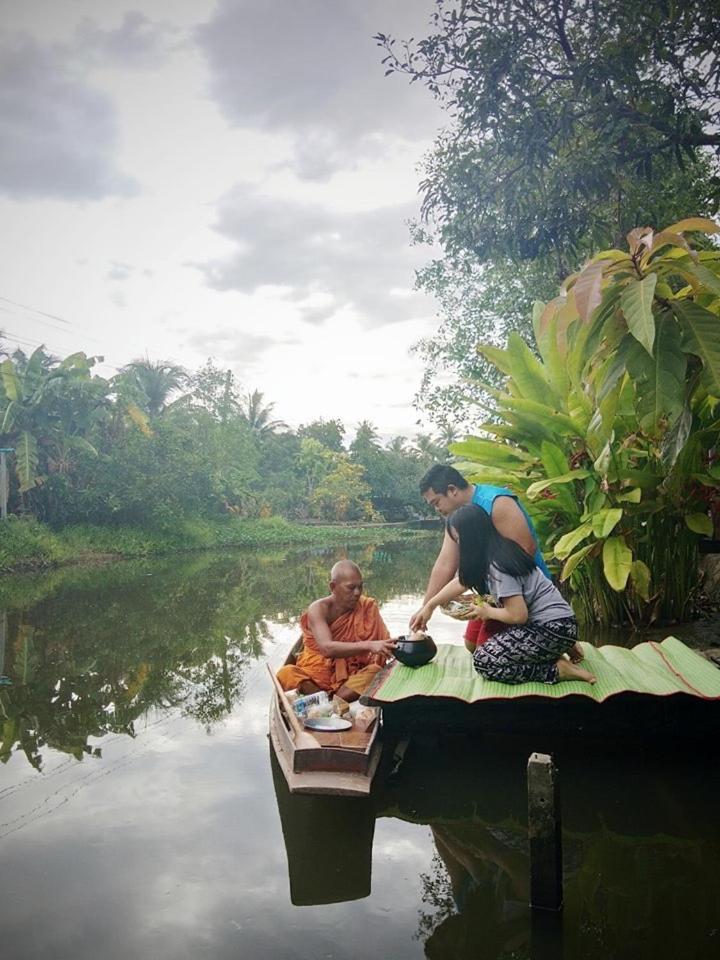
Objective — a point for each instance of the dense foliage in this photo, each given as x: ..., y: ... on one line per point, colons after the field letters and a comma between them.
x: 158, y: 445
x: 612, y: 435
x: 570, y: 122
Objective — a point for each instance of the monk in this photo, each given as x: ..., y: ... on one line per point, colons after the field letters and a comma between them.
x: 345, y: 642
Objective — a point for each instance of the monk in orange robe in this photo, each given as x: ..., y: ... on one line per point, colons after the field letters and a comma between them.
x: 345, y: 642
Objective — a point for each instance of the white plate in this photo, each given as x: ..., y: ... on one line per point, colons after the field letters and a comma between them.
x: 329, y: 724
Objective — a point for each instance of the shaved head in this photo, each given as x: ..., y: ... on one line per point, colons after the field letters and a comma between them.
x: 344, y: 569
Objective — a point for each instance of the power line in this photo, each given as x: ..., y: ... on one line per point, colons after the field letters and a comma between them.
x: 42, y: 313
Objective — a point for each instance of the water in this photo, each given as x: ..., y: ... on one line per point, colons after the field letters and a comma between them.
x: 141, y: 814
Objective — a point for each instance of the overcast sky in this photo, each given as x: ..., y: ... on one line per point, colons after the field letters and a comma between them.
x: 218, y: 178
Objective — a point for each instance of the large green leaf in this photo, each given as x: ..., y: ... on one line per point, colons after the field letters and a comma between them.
x: 11, y: 381
x: 574, y: 559
x: 536, y: 488
x: 636, y: 303
x: 567, y: 543
x: 527, y: 372
x: 640, y: 576
x: 490, y: 452
x: 496, y: 355
x: 26, y: 460
x: 702, y: 337
x: 605, y: 521
x: 700, y: 523
x: 532, y: 414
x: 660, y: 377
x: 617, y: 562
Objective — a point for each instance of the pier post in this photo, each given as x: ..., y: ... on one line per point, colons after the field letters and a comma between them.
x: 544, y: 833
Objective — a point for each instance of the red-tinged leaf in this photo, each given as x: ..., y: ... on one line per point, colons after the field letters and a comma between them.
x: 588, y: 292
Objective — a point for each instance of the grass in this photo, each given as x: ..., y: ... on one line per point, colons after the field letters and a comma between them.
x: 26, y: 544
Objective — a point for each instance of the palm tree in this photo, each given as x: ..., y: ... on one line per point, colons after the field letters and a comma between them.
x: 151, y: 384
x: 257, y: 414
x: 398, y: 445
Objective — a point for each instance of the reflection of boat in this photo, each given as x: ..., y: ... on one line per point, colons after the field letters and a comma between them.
x: 328, y: 841
x: 340, y: 764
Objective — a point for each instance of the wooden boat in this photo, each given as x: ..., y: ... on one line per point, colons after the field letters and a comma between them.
x: 335, y: 763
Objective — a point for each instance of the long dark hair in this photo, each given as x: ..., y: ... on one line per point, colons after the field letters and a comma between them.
x: 480, y: 545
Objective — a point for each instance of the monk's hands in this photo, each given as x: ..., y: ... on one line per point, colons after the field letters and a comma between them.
x: 382, y: 647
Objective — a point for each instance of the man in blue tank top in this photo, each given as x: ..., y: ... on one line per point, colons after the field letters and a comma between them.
x: 445, y: 489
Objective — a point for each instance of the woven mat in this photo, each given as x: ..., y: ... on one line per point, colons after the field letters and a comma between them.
x: 658, y: 669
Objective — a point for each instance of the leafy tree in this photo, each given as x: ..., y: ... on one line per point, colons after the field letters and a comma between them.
x: 570, y: 123
x: 559, y: 108
x: 342, y: 494
x: 612, y: 434
x: 330, y: 433
x: 217, y: 391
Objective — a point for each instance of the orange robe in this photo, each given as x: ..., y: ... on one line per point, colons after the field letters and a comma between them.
x: 330, y: 673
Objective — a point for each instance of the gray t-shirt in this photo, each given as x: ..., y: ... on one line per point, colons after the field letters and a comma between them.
x: 542, y: 598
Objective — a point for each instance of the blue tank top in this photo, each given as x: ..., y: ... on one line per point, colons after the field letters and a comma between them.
x: 484, y: 496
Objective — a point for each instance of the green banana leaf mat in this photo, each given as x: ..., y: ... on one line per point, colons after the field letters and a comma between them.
x: 658, y: 669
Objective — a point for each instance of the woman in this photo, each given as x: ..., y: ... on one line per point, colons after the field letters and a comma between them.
x: 536, y: 626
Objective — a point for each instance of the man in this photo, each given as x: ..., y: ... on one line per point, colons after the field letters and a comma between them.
x: 345, y: 642
x: 445, y: 489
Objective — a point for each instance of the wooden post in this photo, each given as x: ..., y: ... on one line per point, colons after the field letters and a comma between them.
x: 544, y: 832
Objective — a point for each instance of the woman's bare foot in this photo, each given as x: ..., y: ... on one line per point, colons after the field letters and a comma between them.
x: 570, y: 671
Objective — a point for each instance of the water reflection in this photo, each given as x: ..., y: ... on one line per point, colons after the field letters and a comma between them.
x: 640, y: 858
x: 91, y: 651
x: 176, y: 843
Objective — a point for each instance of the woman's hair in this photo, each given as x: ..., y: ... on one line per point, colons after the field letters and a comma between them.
x: 481, y: 544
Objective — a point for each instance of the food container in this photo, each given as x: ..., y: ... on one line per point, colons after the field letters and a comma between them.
x: 415, y: 650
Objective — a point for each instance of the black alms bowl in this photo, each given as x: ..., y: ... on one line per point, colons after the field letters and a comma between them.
x: 415, y: 651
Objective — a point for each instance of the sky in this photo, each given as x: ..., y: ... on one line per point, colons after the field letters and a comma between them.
x: 220, y: 179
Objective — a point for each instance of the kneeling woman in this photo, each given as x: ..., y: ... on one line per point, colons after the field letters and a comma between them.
x: 536, y: 626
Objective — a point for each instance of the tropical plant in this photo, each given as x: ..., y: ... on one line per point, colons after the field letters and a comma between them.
x: 47, y: 405
x: 258, y: 414
x: 612, y: 434
x: 150, y: 384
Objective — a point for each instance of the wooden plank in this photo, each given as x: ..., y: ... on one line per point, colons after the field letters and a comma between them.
x: 303, y: 739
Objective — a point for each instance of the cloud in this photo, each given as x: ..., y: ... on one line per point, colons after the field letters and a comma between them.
x: 235, y: 346
x: 313, y: 70
x: 137, y: 42
x: 58, y: 134
x: 327, y: 261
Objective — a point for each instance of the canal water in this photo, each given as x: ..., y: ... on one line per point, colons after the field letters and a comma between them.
x: 142, y: 815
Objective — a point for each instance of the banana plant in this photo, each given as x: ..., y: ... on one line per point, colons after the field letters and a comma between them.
x: 45, y: 408
x: 609, y: 429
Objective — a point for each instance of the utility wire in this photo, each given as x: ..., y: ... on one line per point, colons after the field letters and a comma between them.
x: 42, y: 313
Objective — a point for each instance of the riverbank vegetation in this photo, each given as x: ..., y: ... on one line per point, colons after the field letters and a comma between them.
x: 26, y: 544
x: 159, y: 458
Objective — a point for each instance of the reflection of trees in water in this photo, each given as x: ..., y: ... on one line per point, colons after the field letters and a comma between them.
x: 437, y: 898
x: 478, y: 892
x: 91, y: 650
